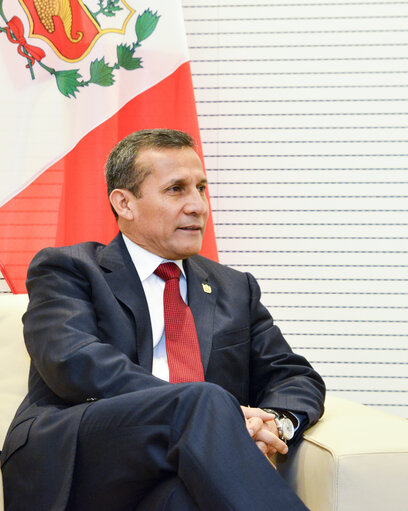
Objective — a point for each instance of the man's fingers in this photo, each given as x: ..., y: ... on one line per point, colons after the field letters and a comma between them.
x: 256, y: 412
x: 254, y: 425
x: 274, y: 443
x: 262, y: 428
x: 271, y: 426
x: 262, y: 447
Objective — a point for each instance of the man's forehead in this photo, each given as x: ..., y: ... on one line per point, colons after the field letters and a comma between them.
x: 173, y: 163
x: 164, y: 152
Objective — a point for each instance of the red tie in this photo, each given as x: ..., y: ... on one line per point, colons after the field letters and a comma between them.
x: 183, y: 351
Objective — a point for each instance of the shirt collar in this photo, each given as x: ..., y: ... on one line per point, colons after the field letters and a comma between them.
x: 146, y: 262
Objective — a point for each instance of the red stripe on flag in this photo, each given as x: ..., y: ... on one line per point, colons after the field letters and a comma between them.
x: 68, y: 203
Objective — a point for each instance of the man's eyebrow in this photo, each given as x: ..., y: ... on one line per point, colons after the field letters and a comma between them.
x: 175, y: 181
x: 182, y: 181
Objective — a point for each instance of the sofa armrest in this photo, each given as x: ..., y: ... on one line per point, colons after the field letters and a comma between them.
x: 14, y: 359
x: 354, y: 459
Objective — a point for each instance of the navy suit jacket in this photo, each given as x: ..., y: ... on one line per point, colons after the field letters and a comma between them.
x: 87, y: 330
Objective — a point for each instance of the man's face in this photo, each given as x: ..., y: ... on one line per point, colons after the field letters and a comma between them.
x: 170, y: 214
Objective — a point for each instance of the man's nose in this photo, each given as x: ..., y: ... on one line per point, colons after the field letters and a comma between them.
x: 196, y: 203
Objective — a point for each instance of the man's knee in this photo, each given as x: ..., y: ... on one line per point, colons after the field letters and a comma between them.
x: 174, y: 405
x: 208, y: 394
x: 200, y: 403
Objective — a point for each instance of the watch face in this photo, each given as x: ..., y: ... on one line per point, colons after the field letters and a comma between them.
x: 288, y: 429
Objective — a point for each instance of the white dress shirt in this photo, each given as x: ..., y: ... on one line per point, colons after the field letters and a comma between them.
x: 146, y: 263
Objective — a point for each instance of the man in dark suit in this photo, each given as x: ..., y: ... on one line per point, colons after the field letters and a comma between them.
x: 109, y: 424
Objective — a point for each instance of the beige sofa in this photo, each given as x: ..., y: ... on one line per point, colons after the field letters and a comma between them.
x: 354, y: 459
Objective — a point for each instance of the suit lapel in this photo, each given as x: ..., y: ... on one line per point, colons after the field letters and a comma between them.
x: 124, y: 281
x: 202, y: 305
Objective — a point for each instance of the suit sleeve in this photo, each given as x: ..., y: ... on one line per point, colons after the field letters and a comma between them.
x: 279, y: 378
x: 61, y: 334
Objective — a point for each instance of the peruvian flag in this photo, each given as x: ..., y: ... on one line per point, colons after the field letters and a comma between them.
x: 76, y: 77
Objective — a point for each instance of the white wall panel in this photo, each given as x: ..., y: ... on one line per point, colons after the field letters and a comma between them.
x: 4, y: 288
x: 303, y: 110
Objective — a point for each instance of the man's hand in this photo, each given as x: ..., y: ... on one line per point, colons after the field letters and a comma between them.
x: 262, y: 428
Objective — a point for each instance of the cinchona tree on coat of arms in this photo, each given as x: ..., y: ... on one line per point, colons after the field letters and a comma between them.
x: 71, y: 28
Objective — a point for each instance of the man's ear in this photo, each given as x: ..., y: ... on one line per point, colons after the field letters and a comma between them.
x: 122, y: 201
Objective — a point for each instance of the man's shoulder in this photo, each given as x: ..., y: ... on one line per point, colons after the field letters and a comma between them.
x: 79, y: 250
x: 216, y: 269
x: 88, y: 254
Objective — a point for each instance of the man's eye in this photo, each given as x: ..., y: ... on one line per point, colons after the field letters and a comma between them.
x: 175, y: 188
x: 202, y: 188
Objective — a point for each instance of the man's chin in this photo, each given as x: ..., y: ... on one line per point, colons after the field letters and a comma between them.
x: 188, y: 251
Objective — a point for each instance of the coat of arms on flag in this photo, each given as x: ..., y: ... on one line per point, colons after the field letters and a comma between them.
x: 71, y: 29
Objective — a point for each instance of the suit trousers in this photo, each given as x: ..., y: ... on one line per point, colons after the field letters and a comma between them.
x: 177, y: 447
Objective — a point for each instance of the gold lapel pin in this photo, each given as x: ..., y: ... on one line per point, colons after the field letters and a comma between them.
x: 206, y: 288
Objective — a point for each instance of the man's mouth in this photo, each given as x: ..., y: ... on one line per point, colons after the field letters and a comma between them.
x: 190, y: 228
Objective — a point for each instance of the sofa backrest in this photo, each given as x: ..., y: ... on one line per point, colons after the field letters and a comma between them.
x: 14, y: 359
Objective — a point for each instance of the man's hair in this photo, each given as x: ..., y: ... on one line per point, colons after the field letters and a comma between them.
x: 122, y: 170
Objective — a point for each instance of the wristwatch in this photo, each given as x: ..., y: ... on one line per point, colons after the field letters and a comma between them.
x: 285, y: 426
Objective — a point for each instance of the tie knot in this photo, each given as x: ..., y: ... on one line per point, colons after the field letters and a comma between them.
x: 168, y: 271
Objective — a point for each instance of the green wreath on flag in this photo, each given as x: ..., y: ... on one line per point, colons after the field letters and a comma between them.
x: 100, y: 72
